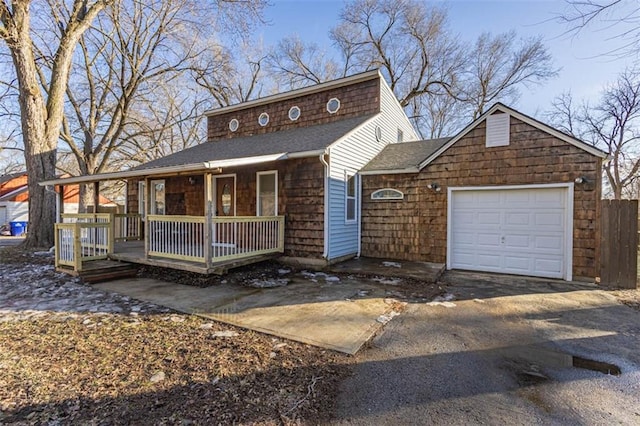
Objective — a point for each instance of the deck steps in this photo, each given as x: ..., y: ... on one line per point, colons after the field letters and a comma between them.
x: 103, y: 270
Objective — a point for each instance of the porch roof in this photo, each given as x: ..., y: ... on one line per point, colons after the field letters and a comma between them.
x: 301, y: 140
x: 281, y: 145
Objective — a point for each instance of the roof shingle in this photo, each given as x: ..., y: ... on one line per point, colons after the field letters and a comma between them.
x: 404, y: 155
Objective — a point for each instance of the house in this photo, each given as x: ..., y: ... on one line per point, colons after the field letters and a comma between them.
x: 14, y: 198
x: 507, y: 194
x: 276, y: 175
x: 336, y: 170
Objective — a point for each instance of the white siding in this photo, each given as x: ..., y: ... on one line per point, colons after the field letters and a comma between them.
x: 17, y: 211
x: 352, y: 153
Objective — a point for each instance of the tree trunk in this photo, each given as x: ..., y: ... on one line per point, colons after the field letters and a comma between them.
x: 39, y: 150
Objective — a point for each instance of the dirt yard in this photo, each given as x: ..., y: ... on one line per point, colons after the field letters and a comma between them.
x: 72, y: 354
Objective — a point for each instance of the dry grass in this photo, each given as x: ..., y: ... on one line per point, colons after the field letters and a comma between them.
x: 100, y: 370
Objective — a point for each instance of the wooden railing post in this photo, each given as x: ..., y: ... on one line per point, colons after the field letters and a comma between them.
x: 111, y: 237
x: 77, y: 246
x: 281, y: 234
x: 56, y: 247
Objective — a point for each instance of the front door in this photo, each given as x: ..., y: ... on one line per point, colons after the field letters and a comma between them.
x: 225, y: 206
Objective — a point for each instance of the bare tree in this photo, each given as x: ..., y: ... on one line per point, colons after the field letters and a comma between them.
x: 439, y: 80
x: 498, y: 66
x: 613, y: 125
x: 623, y: 15
x: 42, y: 111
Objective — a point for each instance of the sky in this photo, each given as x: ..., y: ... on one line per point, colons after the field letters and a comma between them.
x: 584, y: 66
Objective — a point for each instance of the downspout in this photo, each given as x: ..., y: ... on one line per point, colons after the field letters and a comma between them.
x: 325, y: 163
x: 359, y: 214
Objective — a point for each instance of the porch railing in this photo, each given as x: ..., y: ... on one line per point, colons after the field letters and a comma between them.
x: 177, y: 237
x: 236, y: 237
x: 239, y: 237
x: 126, y: 227
x: 80, y: 242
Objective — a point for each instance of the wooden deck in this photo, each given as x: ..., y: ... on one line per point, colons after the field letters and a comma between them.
x: 133, y: 252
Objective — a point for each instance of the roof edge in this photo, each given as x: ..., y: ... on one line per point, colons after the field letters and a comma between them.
x: 389, y: 171
x: 356, y: 78
x: 125, y: 174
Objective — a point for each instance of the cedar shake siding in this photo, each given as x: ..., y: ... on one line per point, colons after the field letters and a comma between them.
x: 300, y: 200
x: 356, y: 100
x: 416, y: 228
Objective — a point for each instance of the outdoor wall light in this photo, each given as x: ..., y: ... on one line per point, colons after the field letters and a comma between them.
x: 581, y: 179
x: 192, y: 180
x: 434, y: 186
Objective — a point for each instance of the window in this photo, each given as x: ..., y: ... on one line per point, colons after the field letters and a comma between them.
x: 263, y: 120
x: 142, y: 199
x: 333, y: 105
x: 350, y: 203
x: 157, y: 197
x: 378, y: 133
x: 497, y: 130
x: 234, y: 124
x: 387, y: 194
x: 294, y: 113
x: 400, y: 135
x: 267, y: 193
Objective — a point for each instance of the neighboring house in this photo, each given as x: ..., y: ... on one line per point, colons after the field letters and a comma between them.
x: 336, y: 170
x: 507, y: 194
x: 14, y: 199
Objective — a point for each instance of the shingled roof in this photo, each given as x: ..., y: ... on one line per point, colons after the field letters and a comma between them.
x: 404, y: 155
x: 298, y: 140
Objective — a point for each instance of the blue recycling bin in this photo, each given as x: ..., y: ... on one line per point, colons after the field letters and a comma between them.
x: 18, y: 228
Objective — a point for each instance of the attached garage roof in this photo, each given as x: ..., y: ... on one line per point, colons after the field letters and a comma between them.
x: 403, y: 156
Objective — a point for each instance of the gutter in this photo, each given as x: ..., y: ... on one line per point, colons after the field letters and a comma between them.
x: 127, y: 174
x: 325, y: 163
x: 389, y: 172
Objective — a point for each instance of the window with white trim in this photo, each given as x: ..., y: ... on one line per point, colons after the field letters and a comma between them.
x: 267, y: 193
x: 158, y: 205
x: 350, y: 197
x: 142, y: 198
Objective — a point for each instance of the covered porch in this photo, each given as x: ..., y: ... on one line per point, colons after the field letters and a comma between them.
x: 191, y: 243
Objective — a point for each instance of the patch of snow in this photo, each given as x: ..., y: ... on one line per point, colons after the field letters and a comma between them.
x: 387, y: 280
x: 363, y: 293
x: 479, y: 301
x: 268, y: 283
x: 447, y: 297
x: 391, y: 264
x: 445, y: 304
x: 207, y: 326
x: 331, y: 278
x: 383, y: 319
x: 225, y: 333
x: 284, y: 271
x: 157, y: 377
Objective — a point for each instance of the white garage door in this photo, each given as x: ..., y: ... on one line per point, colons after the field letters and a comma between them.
x: 513, y: 231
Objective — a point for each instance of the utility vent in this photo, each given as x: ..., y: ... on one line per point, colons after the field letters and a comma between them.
x: 497, y: 130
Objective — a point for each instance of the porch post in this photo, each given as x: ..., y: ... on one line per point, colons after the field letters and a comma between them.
x: 59, y: 203
x: 96, y: 197
x: 208, y: 199
x: 147, y: 206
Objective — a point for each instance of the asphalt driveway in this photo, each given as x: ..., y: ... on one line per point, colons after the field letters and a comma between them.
x: 501, y: 352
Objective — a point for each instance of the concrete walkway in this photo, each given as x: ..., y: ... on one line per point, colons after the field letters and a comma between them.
x: 423, y: 271
x: 313, y: 308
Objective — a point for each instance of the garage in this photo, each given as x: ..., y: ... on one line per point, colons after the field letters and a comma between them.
x: 522, y: 230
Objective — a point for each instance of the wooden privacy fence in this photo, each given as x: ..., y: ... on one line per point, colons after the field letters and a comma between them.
x: 619, y: 244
